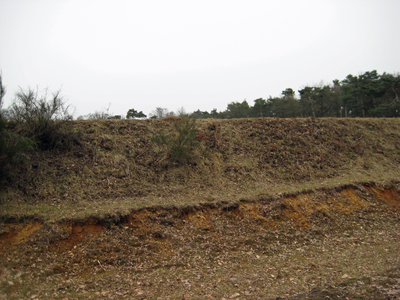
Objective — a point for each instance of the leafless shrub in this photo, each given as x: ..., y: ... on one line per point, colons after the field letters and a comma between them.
x: 42, y: 117
x: 160, y: 113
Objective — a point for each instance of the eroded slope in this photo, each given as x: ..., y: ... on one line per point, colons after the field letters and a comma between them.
x: 342, y: 241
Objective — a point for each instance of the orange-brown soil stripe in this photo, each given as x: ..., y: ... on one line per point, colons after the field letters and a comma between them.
x: 301, y: 210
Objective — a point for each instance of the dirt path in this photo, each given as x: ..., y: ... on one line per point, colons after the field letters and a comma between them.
x: 336, y: 244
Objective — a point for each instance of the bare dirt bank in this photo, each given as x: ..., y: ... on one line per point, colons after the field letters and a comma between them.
x: 339, y: 242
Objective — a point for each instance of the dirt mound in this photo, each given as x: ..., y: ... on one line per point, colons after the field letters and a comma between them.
x: 265, y: 208
x: 119, y: 159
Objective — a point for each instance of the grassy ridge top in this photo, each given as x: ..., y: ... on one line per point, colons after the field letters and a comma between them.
x: 116, y: 166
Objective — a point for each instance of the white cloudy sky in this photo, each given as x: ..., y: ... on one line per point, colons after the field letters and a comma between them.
x: 192, y: 54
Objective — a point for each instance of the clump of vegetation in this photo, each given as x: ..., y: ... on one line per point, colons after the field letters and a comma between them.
x: 180, y: 146
x: 133, y: 114
x: 42, y: 119
x: 13, y: 147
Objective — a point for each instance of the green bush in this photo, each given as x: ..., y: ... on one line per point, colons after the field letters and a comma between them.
x: 180, y: 145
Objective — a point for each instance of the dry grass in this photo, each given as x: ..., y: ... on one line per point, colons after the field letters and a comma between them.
x: 117, y: 168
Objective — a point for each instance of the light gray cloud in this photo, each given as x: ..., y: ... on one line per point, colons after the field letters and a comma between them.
x: 191, y: 54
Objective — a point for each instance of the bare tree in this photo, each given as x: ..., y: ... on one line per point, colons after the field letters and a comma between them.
x: 160, y: 113
x: 181, y: 112
x: 3, y: 113
x: 98, y: 115
x: 2, y: 90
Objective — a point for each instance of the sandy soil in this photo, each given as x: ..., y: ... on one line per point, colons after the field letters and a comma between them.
x: 341, y: 243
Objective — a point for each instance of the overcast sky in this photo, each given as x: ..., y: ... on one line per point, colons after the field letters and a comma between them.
x: 192, y: 54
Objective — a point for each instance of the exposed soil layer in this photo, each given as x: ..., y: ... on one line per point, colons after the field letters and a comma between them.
x: 333, y: 243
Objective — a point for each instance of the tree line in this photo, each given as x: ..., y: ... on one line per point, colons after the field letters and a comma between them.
x: 366, y: 95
